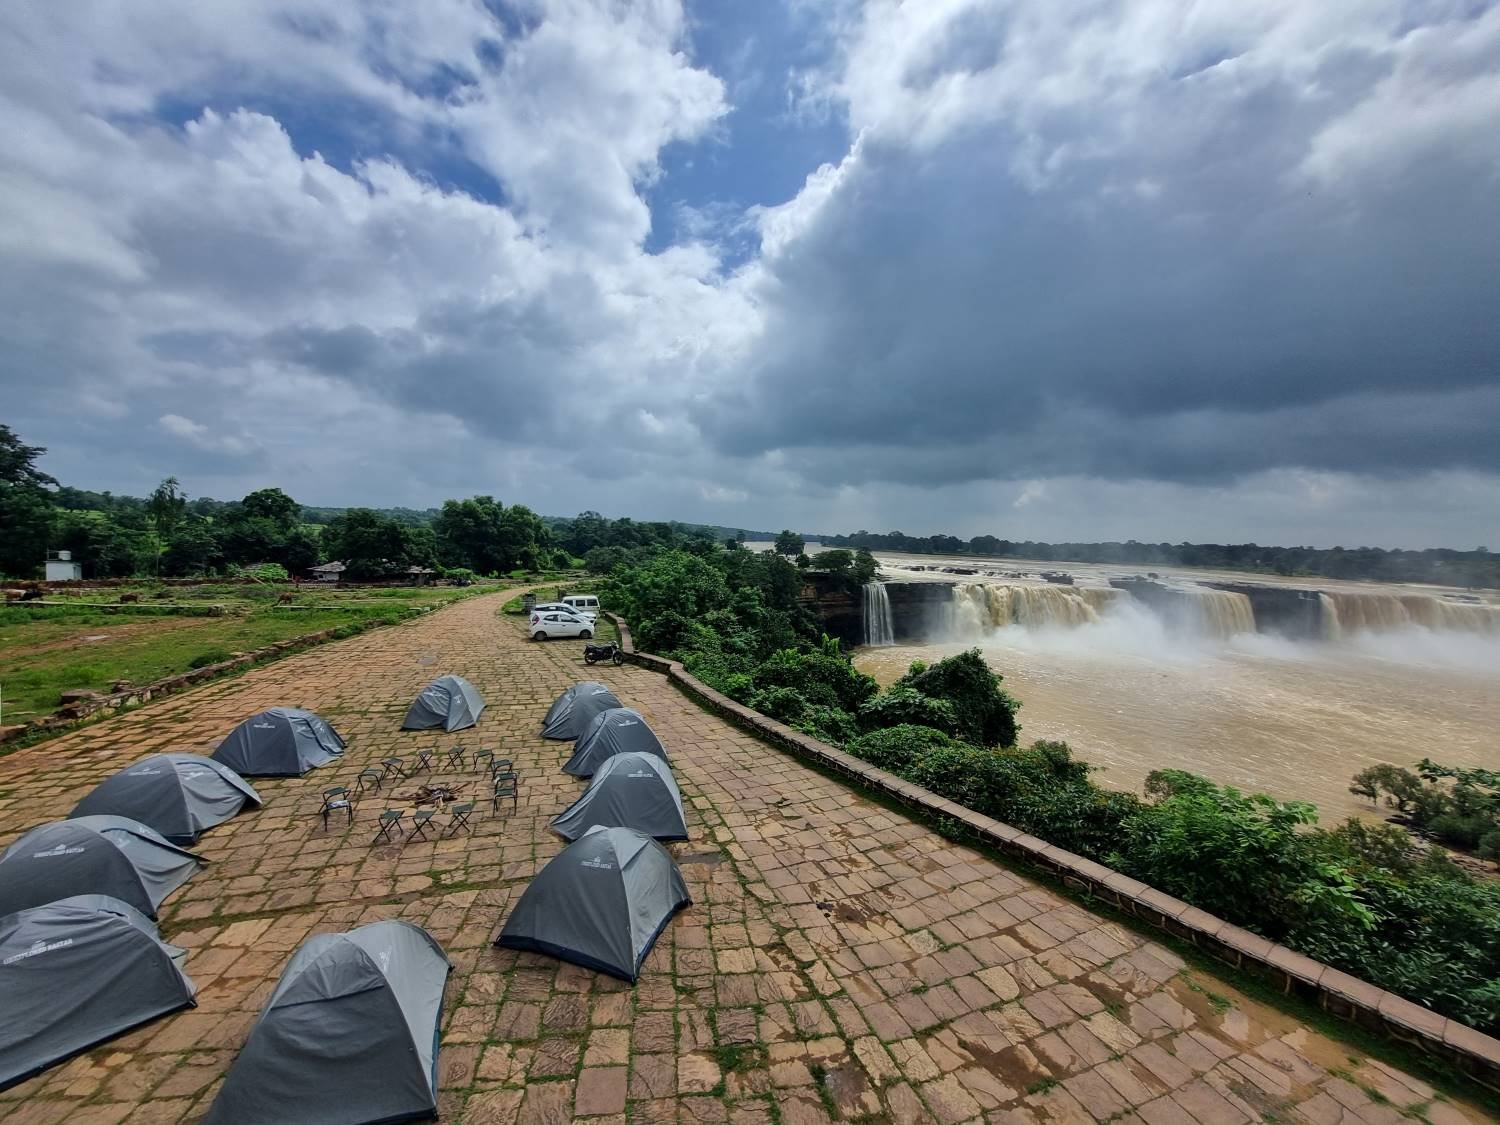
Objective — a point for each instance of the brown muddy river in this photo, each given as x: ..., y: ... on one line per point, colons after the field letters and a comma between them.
x: 1295, y: 719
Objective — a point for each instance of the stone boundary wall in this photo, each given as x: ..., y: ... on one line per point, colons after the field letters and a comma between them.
x: 1336, y: 992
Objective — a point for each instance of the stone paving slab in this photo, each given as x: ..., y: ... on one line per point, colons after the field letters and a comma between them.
x: 840, y: 962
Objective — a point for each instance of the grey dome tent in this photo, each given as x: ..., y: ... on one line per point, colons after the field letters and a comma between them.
x: 281, y: 742
x: 179, y: 795
x: 575, y: 709
x: 93, y: 855
x: 600, y: 903
x: 349, y: 1035
x: 77, y: 972
x: 449, y: 702
x: 629, y: 790
x: 620, y: 730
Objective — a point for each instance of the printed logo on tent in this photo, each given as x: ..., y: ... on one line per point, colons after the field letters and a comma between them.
x: 600, y: 691
x: 385, y: 960
x: 193, y: 775
x: 627, y: 722
x: 61, y: 849
x: 36, y: 950
x: 642, y: 773
x: 144, y: 771
x: 597, y: 864
x: 262, y: 726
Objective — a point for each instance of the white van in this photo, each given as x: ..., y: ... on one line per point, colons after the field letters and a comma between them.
x: 586, y: 604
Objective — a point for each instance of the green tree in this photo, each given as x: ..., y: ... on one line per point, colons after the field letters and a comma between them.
x: 274, y: 505
x: 192, y: 550
x: 789, y: 543
x: 166, y: 507
x: 26, y: 507
x: 369, y: 544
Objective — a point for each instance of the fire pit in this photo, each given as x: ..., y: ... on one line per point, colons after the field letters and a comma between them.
x: 432, y: 795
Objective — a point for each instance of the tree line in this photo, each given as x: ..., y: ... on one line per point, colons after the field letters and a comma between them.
x: 1439, y: 565
x: 169, y: 534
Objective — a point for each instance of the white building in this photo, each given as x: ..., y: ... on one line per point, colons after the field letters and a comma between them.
x: 62, y: 568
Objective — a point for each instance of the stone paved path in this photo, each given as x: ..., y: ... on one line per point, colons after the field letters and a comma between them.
x: 840, y: 962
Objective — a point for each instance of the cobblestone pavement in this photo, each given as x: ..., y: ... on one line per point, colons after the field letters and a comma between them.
x: 839, y: 961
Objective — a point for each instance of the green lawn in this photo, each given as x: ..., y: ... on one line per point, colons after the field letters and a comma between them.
x: 46, y: 651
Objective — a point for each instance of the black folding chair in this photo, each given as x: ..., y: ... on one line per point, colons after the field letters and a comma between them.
x: 336, y: 800
x: 394, y: 766
x: 507, y: 786
x: 390, y: 826
x: 501, y: 766
x: 484, y: 756
x: 460, y: 815
x: 424, y: 761
x: 371, y: 778
x: 456, y: 758
x: 419, y: 822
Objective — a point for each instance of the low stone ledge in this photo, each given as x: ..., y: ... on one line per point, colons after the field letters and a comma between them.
x: 1342, y: 995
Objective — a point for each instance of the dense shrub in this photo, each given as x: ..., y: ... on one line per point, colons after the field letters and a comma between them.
x: 902, y: 705
x: 1459, y: 807
x: 896, y: 748
x: 986, y: 715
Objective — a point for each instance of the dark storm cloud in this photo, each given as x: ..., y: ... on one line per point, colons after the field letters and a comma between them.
x: 1195, y: 304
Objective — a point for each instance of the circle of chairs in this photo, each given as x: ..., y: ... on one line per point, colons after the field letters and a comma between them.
x: 501, y: 781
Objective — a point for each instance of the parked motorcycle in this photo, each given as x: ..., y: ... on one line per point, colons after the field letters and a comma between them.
x: 593, y: 654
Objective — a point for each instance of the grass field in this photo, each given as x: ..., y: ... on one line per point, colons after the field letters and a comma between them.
x: 46, y: 650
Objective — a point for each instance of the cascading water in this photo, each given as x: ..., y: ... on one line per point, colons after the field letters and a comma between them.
x: 981, y: 606
x: 1219, y: 613
x: 878, y: 626
x: 1349, y: 612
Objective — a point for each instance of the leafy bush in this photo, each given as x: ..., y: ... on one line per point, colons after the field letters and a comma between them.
x: 896, y: 748
x: 824, y: 676
x: 1234, y: 855
x: 1460, y: 807
x: 901, y: 705
x: 784, y: 704
x: 831, y: 724
x: 985, y: 714
x: 212, y: 656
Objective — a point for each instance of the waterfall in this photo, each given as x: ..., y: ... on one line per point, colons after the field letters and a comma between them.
x: 878, y: 628
x: 1372, y: 611
x: 1220, y: 613
x: 979, y: 607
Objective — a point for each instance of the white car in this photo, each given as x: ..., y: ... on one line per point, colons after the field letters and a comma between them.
x: 546, y: 624
x: 563, y: 607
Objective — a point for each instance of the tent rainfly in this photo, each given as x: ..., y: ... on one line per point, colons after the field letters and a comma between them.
x: 281, y: 742
x: 619, y: 730
x: 575, y: 708
x: 93, y: 855
x: 77, y: 972
x: 600, y: 903
x: 349, y: 1035
x: 449, y: 702
x: 179, y: 795
x: 630, y: 790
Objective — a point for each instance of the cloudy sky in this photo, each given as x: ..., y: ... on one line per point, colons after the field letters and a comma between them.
x: 1168, y: 269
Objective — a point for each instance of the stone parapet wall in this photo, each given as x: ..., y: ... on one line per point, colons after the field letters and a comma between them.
x: 1336, y: 992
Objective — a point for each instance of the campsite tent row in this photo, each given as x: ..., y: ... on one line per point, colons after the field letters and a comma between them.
x: 81, y: 960
x: 604, y: 899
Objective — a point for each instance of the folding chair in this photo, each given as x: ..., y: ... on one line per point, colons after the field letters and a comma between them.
x: 424, y: 761
x: 390, y: 826
x: 460, y: 819
x: 507, y: 786
x: 456, y: 758
x: 484, y: 755
x: 336, y: 800
x: 419, y: 823
x: 372, y: 778
x: 501, y: 766
x: 393, y: 766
